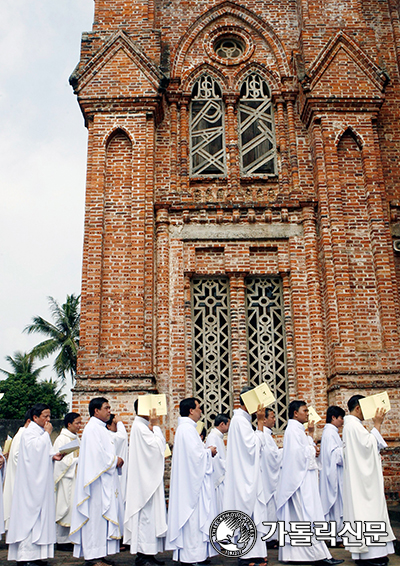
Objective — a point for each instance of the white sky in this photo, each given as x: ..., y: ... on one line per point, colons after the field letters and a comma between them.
x: 42, y: 162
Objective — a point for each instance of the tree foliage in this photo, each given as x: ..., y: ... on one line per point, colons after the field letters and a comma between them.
x: 22, y: 389
x: 62, y: 333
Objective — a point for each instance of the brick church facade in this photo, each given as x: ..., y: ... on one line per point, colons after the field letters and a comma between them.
x: 242, y: 204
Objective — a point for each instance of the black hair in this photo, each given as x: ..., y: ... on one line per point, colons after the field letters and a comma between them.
x: 96, y: 403
x: 69, y: 418
x: 334, y: 411
x: 38, y: 409
x: 28, y: 416
x: 221, y: 418
x: 353, y: 402
x: 136, y: 405
x: 203, y: 433
x: 268, y: 410
x: 244, y: 390
x: 110, y: 420
x: 295, y: 406
x: 186, y: 404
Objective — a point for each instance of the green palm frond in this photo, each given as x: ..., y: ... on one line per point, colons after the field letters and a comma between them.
x: 62, y: 335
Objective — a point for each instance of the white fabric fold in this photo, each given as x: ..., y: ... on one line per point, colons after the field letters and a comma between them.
x: 331, y: 475
x: 97, y: 495
x: 216, y: 438
x: 64, y: 478
x: 191, y: 495
x: 363, y: 486
x: 145, y: 487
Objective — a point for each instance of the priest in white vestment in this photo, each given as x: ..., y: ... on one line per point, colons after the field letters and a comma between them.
x: 331, y: 473
x: 120, y: 440
x: 363, y: 486
x: 12, y: 469
x: 97, y: 521
x: 271, y: 460
x: 145, y: 524
x: 192, y: 495
x: 243, y: 483
x: 2, y: 476
x: 32, y: 528
x: 216, y: 438
x: 65, y: 478
x: 298, y: 496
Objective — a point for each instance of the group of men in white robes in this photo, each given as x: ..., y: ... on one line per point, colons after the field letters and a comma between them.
x: 32, y: 529
x: 351, y: 485
x: 251, y: 475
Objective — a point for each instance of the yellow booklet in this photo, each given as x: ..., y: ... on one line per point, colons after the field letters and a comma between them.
x: 7, y: 445
x: 373, y: 402
x: 167, y: 452
x: 312, y: 416
x: 260, y: 395
x: 199, y: 426
x: 148, y: 402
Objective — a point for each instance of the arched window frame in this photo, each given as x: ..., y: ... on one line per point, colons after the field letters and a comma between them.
x: 207, y: 106
x: 256, y: 129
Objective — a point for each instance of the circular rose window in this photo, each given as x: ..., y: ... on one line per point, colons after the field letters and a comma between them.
x: 229, y: 45
x: 229, y: 48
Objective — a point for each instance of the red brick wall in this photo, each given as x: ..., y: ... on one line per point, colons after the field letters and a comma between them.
x: 323, y: 224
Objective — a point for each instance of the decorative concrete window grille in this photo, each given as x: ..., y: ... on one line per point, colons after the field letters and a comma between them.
x: 207, y: 139
x: 256, y: 128
x: 266, y: 350
x: 211, y: 346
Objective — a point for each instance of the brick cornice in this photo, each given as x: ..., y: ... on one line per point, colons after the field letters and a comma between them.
x: 119, y: 40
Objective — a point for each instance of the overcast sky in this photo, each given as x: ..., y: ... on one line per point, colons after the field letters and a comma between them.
x: 43, y: 144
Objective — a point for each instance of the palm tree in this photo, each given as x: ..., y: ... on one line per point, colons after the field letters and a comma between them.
x: 63, y: 335
x: 22, y: 389
x: 22, y: 364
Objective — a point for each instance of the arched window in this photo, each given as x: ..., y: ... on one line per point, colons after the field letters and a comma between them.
x: 207, y: 140
x: 256, y: 128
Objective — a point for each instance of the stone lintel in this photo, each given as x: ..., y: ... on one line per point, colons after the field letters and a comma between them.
x: 272, y: 231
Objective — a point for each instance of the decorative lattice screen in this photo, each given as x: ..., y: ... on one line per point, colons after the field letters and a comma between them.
x: 211, y: 346
x: 207, y: 140
x: 266, y: 340
x: 256, y: 128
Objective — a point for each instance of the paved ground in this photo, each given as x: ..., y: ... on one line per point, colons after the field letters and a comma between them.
x: 126, y: 559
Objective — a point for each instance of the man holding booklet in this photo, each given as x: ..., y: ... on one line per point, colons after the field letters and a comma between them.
x: 243, y: 481
x: 363, y: 487
x: 145, y: 523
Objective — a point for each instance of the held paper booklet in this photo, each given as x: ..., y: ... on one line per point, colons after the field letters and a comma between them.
x: 260, y: 395
x: 199, y: 426
x: 373, y: 402
x: 312, y: 416
x: 70, y: 447
x: 167, y: 452
x: 7, y: 444
x: 148, y: 402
